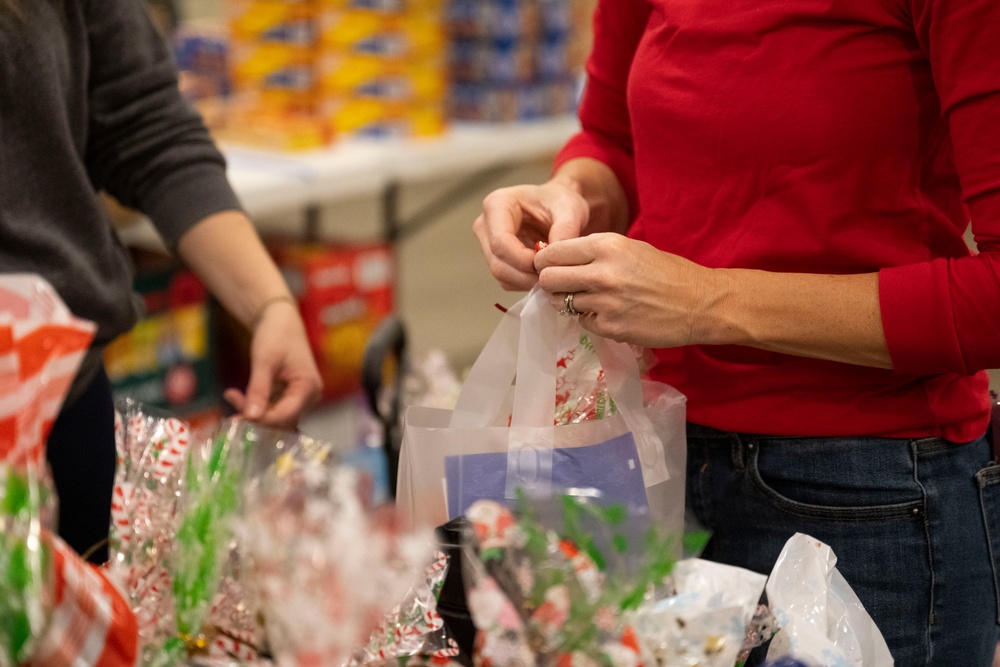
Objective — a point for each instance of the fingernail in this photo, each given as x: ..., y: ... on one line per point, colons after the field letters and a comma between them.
x: 254, y: 411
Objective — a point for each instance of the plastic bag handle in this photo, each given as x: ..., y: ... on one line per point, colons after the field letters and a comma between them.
x: 525, y: 344
x: 488, y: 382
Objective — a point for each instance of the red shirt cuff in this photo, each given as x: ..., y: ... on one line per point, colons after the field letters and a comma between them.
x: 912, y: 299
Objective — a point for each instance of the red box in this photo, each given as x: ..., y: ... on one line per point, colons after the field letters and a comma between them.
x: 343, y: 293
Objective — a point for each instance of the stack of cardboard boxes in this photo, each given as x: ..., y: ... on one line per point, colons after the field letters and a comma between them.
x: 307, y: 71
x: 513, y: 60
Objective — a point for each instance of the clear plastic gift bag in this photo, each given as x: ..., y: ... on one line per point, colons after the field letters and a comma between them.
x: 177, y: 496
x: 153, y: 452
x: 704, y: 622
x: 497, y: 441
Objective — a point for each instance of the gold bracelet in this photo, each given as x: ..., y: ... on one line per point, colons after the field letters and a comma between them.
x: 258, y: 312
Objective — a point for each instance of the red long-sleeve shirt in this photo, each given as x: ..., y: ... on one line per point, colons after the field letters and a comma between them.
x: 817, y: 136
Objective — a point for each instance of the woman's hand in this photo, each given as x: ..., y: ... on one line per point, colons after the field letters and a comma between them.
x: 516, y: 218
x: 629, y: 291
x: 226, y: 253
x: 284, y: 380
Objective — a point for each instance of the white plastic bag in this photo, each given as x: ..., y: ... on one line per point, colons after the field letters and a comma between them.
x: 821, y: 618
x: 704, y: 623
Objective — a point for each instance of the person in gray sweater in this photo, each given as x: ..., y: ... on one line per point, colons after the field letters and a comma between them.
x: 89, y: 103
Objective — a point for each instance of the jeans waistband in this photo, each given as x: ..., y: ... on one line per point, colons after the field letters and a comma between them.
x: 742, y: 443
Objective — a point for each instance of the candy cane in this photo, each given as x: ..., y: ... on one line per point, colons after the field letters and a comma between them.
x: 136, y: 427
x: 174, y: 446
x: 228, y: 647
x: 121, y: 521
x: 440, y: 563
x: 119, y: 433
x: 450, y: 652
x: 433, y: 620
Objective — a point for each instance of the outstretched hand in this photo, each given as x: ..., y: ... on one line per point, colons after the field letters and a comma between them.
x: 284, y: 380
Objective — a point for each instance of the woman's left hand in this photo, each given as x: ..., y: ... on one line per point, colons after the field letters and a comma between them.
x: 629, y: 291
x: 284, y: 380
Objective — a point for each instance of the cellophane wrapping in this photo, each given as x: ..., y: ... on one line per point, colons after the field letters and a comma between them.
x: 55, y: 609
x: 338, y: 582
x: 176, y: 498
x: 575, y: 587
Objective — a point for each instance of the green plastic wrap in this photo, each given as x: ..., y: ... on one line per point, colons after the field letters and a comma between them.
x: 212, y: 499
x: 25, y: 562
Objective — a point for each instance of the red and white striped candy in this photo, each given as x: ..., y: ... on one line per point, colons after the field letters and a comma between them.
x: 122, y: 502
x: 177, y: 438
x: 227, y: 647
x: 136, y: 428
x: 119, y: 434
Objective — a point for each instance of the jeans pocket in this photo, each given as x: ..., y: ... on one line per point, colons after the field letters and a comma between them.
x: 810, y: 492
x: 988, y: 480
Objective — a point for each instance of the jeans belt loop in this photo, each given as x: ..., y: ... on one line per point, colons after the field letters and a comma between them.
x: 737, y: 452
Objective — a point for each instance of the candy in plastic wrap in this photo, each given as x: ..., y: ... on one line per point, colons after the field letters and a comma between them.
x: 235, y: 616
x: 703, y: 624
x: 325, y: 568
x: 581, y: 389
x: 547, y: 591
x: 413, y: 627
x: 152, y: 459
x: 213, y: 483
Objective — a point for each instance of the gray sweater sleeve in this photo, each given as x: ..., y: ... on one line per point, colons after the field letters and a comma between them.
x: 145, y: 144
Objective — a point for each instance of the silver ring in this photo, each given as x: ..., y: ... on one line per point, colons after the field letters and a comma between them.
x: 568, y: 310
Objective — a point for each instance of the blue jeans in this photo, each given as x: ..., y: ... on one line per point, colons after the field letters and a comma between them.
x: 915, y: 525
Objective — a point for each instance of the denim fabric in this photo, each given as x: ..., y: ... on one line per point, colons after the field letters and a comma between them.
x: 915, y: 525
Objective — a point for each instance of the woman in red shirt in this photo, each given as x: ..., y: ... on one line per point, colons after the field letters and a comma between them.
x: 773, y: 196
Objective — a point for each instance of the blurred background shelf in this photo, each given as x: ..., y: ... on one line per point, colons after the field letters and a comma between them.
x: 278, y: 189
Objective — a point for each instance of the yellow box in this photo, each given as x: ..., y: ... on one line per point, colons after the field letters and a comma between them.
x: 272, y: 65
x: 378, y: 118
x: 388, y: 79
x: 261, y: 127
x: 273, y: 20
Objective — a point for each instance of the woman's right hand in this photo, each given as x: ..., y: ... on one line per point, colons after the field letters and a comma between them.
x: 515, y: 218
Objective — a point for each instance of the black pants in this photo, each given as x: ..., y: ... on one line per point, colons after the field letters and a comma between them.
x: 81, y: 453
